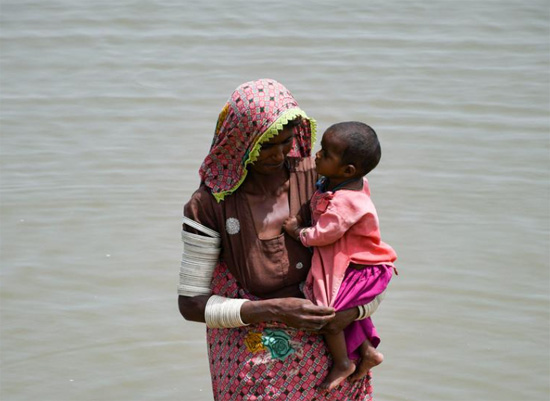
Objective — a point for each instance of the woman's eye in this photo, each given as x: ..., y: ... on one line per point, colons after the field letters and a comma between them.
x: 286, y: 142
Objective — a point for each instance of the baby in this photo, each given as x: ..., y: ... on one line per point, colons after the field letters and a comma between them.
x: 350, y: 264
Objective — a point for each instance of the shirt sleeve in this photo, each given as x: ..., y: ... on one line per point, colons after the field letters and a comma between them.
x: 340, y: 214
x: 200, y: 208
x: 199, y: 256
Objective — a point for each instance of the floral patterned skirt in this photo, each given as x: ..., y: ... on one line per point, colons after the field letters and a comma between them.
x: 271, y: 361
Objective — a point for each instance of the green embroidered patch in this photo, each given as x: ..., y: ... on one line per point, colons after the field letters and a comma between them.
x: 278, y: 343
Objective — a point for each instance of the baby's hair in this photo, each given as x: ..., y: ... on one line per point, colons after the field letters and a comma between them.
x: 363, y: 148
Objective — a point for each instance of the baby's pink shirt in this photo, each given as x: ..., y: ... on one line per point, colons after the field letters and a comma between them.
x: 345, y: 230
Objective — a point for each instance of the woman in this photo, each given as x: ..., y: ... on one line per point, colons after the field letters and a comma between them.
x: 263, y: 336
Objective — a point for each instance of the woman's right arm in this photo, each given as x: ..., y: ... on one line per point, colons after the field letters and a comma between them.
x: 192, y: 308
x: 294, y: 312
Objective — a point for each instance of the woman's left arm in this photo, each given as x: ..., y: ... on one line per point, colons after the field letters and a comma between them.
x: 344, y: 317
x: 341, y: 320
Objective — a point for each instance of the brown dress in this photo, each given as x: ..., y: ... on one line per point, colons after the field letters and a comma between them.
x: 267, y: 268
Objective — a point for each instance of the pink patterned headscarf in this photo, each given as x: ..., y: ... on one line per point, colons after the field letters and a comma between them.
x: 255, y: 113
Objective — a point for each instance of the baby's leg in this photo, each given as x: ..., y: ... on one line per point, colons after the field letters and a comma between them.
x: 342, y: 366
x: 370, y: 358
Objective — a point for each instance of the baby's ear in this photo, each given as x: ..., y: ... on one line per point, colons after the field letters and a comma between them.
x: 350, y: 170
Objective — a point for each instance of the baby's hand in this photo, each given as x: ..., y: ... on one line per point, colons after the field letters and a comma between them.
x: 291, y: 226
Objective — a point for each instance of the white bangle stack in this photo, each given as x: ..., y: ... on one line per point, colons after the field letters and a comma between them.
x: 366, y: 310
x: 198, y: 260
x: 223, y: 312
x: 362, y: 312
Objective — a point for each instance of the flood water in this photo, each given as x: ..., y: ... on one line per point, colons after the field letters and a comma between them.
x: 108, y: 108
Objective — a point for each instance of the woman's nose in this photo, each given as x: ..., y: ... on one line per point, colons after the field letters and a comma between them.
x: 278, y: 153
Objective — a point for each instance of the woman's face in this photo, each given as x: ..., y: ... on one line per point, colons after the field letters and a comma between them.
x: 273, y: 153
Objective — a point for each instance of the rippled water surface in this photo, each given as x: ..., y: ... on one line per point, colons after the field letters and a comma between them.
x: 107, y: 109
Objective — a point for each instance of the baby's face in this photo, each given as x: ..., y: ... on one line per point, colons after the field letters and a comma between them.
x: 328, y: 160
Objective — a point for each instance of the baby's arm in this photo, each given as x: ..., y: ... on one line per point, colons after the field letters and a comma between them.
x: 292, y: 226
x: 327, y: 230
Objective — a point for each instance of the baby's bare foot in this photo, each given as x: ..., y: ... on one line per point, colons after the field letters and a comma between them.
x: 371, y: 358
x: 337, y: 374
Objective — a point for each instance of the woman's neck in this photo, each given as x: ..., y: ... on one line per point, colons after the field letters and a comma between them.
x: 268, y: 198
x: 265, y: 184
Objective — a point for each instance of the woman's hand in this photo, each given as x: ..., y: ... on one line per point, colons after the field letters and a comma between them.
x: 294, y: 312
x: 304, y: 314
